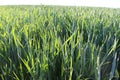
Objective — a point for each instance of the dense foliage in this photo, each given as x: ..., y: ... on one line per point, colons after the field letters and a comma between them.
x: 58, y: 43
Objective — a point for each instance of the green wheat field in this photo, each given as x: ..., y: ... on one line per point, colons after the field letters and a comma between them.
x: 59, y: 43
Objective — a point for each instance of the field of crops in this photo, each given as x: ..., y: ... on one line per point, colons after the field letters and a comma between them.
x: 59, y: 43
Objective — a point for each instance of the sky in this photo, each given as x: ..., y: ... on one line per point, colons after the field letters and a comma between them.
x: 96, y: 3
